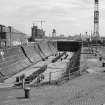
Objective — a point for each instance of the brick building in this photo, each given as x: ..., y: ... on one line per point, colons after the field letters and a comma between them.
x: 11, y: 37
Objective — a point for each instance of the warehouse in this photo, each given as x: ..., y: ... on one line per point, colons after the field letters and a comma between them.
x: 11, y: 37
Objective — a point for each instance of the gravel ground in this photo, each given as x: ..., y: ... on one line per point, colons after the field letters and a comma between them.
x: 88, y: 89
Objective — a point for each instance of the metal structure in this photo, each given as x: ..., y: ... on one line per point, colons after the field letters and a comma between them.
x: 96, y: 36
x: 41, y: 22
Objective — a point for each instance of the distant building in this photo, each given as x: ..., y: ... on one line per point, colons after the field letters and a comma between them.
x: 37, y: 33
x: 76, y: 37
x: 62, y: 36
x: 103, y: 39
x: 11, y: 37
x: 54, y: 33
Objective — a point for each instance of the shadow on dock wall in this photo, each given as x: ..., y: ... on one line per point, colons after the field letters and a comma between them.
x: 71, y: 46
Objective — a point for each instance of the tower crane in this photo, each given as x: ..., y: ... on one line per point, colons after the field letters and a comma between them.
x: 41, y: 22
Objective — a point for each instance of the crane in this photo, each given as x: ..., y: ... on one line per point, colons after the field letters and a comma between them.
x: 41, y: 22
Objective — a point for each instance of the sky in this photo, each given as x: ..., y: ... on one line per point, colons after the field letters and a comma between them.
x: 68, y: 17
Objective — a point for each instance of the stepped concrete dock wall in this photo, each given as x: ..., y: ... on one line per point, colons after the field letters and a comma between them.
x: 13, y: 61
x: 31, y: 53
x: 16, y: 59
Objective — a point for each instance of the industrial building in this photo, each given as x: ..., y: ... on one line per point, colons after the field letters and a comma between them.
x: 37, y: 33
x: 11, y: 37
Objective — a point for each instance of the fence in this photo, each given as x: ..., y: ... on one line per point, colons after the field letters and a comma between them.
x: 55, y: 78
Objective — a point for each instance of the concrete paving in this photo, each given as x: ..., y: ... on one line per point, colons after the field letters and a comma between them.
x: 56, y: 71
x: 88, y: 89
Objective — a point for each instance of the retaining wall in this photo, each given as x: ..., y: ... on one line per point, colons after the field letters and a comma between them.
x: 41, y: 52
x: 45, y: 49
x: 31, y: 53
x: 52, y: 47
x: 13, y: 61
x: 17, y: 58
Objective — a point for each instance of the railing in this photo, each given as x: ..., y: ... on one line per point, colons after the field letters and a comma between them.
x: 55, y: 78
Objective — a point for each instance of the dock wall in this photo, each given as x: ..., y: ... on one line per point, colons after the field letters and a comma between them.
x: 16, y: 59
x: 73, y: 64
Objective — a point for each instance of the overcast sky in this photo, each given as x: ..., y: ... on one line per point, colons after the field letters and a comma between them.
x: 66, y: 16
